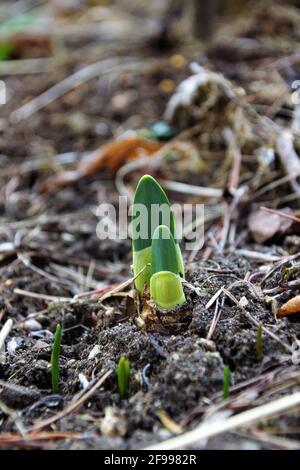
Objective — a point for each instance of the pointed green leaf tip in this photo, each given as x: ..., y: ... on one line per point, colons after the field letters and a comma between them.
x: 165, y: 284
x: 151, y: 208
x: 146, y: 214
x: 164, y: 253
x: 55, y: 359
x: 123, y: 376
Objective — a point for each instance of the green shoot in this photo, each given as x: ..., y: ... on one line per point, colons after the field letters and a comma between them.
x: 165, y: 283
x: 151, y: 208
x: 259, y: 343
x: 55, y: 359
x: 226, y: 382
x: 123, y: 376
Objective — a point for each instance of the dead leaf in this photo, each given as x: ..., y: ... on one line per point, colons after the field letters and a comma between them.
x: 110, y: 156
x: 168, y: 422
x: 290, y: 307
x: 147, y: 317
x: 264, y: 225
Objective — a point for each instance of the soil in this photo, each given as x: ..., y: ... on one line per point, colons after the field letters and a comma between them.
x: 48, y: 245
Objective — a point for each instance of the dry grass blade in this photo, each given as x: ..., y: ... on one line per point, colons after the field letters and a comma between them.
x: 118, y: 290
x: 192, y: 190
x: 281, y: 214
x: 49, y: 298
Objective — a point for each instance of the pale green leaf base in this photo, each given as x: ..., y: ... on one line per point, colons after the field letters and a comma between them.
x: 166, y: 289
x: 140, y: 259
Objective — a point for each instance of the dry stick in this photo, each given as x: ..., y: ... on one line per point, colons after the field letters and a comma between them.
x: 75, y: 404
x: 214, y: 322
x: 214, y: 298
x: 121, y: 286
x: 190, y: 189
x: 257, y: 255
x: 281, y: 214
x: 247, y: 418
x: 50, y: 298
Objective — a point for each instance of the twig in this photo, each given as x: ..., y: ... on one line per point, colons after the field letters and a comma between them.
x: 214, y: 298
x: 214, y: 322
x: 259, y: 256
x: 190, y: 189
x: 35, y: 295
x: 281, y: 214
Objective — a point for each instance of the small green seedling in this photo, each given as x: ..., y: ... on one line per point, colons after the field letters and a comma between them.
x: 151, y: 208
x: 123, y: 376
x: 165, y: 283
x: 226, y: 382
x: 55, y: 359
x: 259, y: 346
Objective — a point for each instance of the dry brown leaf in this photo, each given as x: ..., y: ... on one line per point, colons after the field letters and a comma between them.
x: 168, y: 422
x: 290, y: 307
x: 113, y: 155
x: 110, y: 156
